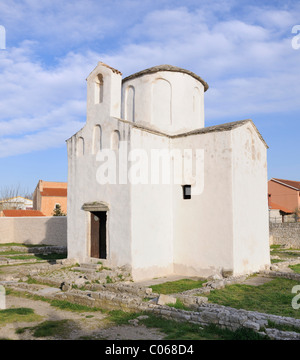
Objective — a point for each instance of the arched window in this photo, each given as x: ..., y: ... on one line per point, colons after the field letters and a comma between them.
x: 80, y: 146
x: 115, y: 140
x: 161, y: 102
x: 130, y: 103
x: 99, y: 89
x: 97, y: 139
x: 196, y: 103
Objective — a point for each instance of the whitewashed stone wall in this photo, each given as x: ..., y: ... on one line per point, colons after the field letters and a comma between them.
x: 34, y: 230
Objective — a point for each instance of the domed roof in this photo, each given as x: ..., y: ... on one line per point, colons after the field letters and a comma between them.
x: 158, y: 68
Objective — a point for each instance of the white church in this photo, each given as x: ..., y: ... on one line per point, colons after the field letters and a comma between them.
x: 150, y: 187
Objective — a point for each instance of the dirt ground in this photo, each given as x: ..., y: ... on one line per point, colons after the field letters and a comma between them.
x: 88, y: 325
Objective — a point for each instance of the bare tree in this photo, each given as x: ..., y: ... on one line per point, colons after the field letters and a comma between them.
x: 296, y: 214
x: 9, y: 195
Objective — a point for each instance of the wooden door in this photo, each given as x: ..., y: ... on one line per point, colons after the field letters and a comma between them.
x: 98, y: 235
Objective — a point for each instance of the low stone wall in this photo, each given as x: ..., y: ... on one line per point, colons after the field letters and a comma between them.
x: 131, y: 298
x: 46, y: 230
x: 285, y: 234
x: 205, y: 314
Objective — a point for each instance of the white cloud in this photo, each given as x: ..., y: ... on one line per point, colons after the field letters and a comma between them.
x: 41, y: 107
x: 247, y: 60
x: 251, y: 68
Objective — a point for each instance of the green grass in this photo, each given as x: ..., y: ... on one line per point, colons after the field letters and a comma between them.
x: 51, y: 256
x: 283, y: 252
x: 11, y: 252
x: 179, y: 305
x: 175, y: 330
x: 275, y: 261
x: 17, y: 314
x: 273, y: 325
x: 295, y: 268
x: 109, y: 280
x: 275, y: 246
x: 274, y: 297
x: 66, y: 305
x: 172, y: 287
x: 31, y: 280
x: 23, y: 245
x: 59, y: 328
x: 22, y: 256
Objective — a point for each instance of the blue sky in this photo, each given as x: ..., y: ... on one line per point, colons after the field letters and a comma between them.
x: 243, y: 49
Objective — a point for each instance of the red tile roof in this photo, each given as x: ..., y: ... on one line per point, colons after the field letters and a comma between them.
x: 274, y: 206
x: 295, y: 184
x: 22, y: 213
x: 54, y: 192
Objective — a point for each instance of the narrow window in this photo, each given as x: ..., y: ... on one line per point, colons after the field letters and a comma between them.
x: 187, y: 192
x: 161, y: 102
x: 130, y: 103
x: 97, y: 139
x: 99, y: 89
x: 115, y: 140
x: 80, y: 147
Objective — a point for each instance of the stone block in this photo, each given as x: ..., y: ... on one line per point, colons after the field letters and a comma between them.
x: 165, y: 299
x: 251, y: 325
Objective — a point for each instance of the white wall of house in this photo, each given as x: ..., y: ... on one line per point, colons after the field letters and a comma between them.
x: 250, y: 201
x: 203, y: 227
x: 83, y: 170
x: 151, y: 214
x: 172, y: 102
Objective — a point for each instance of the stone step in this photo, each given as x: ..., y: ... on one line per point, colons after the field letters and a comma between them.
x: 35, y: 289
x: 84, y: 269
x: 90, y: 266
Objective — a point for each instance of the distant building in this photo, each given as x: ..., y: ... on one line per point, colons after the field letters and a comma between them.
x: 16, y: 202
x: 48, y: 195
x: 285, y: 194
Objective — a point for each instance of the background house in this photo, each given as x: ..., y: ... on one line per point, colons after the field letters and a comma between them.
x: 16, y: 202
x: 284, y: 198
x: 48, y: 195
